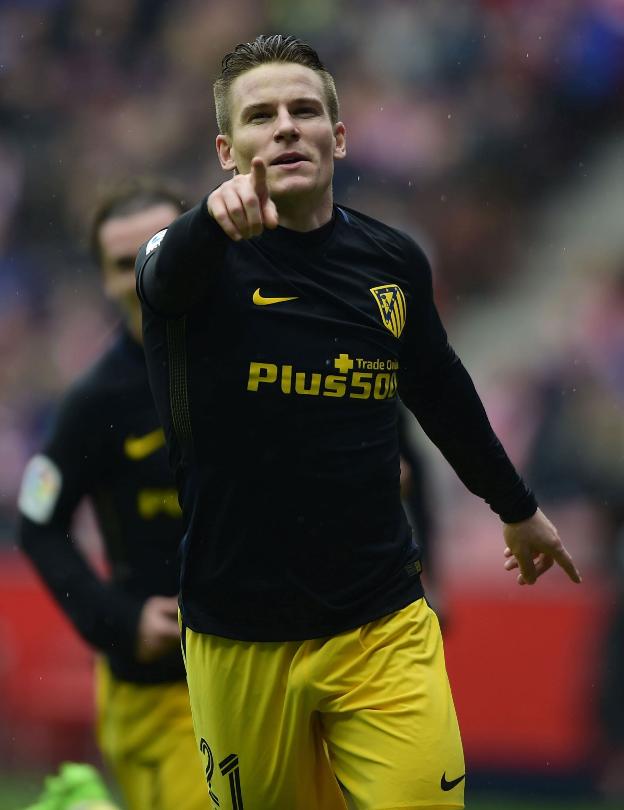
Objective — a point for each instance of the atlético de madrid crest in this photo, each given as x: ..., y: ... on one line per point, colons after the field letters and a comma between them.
x: 391, y: 303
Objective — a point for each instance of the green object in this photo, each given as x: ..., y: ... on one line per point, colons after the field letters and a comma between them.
x: 77, y: 786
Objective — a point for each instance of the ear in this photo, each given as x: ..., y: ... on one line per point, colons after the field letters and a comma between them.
x: 340, y: 134
x: 224, y: 150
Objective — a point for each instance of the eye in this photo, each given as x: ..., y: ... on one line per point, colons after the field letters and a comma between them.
x: 124, y: 263
x: 259, y: 116
x: 306, y: 112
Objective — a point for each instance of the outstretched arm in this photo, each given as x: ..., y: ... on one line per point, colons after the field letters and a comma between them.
x: 437, y: 388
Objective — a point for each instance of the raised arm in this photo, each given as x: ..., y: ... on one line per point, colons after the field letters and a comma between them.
x: 173, y: 268
x: 242, y: 206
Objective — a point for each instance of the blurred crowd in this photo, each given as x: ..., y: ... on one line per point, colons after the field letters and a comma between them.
x: 461, y: 119
x: 460, y: 116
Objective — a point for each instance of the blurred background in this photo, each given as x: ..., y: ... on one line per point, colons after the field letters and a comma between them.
x: 491, y: 131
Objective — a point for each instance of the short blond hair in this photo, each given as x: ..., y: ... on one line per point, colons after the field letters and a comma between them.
x: 262, y: 51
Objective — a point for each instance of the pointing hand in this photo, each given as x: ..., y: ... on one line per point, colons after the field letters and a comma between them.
x: 533, y: 546
x: 242, y: 206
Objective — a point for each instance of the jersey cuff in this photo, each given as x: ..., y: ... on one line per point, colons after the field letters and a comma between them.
x: 522, y: 509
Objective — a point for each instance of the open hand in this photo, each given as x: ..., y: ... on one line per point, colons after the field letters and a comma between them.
x: 242, y: 205
x: 533, y: 546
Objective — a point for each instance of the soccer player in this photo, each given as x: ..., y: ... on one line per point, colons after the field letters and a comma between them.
x: 107, y: 445
x: 279, y: 328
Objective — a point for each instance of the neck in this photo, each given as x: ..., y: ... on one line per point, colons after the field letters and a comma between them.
x: 297, y: 215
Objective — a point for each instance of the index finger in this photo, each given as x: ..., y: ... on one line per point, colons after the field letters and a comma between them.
x: 258, y: 177
x: 563, y: 559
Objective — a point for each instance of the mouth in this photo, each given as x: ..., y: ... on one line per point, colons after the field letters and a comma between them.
x: 289, y: 159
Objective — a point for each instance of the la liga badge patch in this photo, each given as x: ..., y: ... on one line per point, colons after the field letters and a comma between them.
x: 40, y: 490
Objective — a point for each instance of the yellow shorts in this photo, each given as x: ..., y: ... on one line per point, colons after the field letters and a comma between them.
x: 145, y: 733
x: 361, y: 720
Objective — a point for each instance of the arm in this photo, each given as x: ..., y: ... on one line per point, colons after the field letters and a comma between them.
x: 54, y: 483
x: 173, y: 268
x: 438, y: 390
x: 105, y: 617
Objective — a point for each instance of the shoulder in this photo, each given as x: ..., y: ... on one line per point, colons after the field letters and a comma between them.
x: 395, y: 249
x: 72, y: 445
x: 390, y: 240
x: 149, y: 249
x: 93, y: 390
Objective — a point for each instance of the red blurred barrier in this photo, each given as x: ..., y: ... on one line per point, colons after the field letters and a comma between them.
x: 46, y: 674
x: 523, y: 663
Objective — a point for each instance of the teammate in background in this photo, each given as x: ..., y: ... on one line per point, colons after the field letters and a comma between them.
x: 107, y: 445
x: 278, y: 330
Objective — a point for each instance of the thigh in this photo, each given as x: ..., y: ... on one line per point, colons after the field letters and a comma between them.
x: 137, y: 782
x: 146, y: 736
x: 255, y: 726
x: 391, y: 728
x: 182, y: 783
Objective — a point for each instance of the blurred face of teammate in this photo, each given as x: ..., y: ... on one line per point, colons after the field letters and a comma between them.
x: 120, y: 239
x: 279, y: 113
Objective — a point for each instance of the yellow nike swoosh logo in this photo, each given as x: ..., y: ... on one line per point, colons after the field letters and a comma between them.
x: 261, y: 301
x: 138, y: 447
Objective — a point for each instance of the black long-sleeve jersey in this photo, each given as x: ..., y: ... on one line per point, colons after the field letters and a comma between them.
x: 275, y: 363
x: 106, y: 444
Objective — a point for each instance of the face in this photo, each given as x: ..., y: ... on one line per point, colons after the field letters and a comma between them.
x: 120, y: 240
x: 279, y: 113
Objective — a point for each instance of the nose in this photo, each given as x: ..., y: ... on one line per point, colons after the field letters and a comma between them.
x: 285, y: 127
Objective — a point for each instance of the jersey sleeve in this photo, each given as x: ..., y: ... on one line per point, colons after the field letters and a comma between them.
x: 436, y: 387
x: 173, y: 269
x: 54, y: 482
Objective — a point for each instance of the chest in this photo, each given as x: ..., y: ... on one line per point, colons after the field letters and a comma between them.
x: 283, y: 301
x: 132, y: 441
x: 321, y: 325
